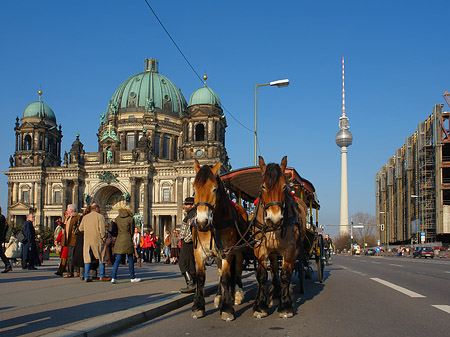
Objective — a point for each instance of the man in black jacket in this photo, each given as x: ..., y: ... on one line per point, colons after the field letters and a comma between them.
x: 3, y: 229
x: 29, y: 249
x: 187, y: 261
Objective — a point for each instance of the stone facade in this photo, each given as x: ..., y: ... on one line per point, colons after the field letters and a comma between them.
x: 144, y: 160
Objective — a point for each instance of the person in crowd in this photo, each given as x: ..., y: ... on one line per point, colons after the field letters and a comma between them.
x: 93, y: 226
x: 187, y: 261
x: 158, y: 244
x: 136, y: 245
x: 109, y: 245
x: 150, y: 246
x: 71, y: 229
x: 174, y: 250
x: 63, y: 252
x: 78, y: 255
x: 167, y: 242
x: 145, y: 248
x: 58, y: 233
x: 40, y: 249
x: 12, y: 251
x: 124, y: 243
x: 3, y: 231
x: 29, y: 251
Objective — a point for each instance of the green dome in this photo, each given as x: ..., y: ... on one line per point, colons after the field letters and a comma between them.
x: 148, y: 91
x: 39, y: 109
x: 204, y: 95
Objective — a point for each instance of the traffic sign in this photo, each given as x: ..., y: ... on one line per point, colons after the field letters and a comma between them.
x: 382, y: 227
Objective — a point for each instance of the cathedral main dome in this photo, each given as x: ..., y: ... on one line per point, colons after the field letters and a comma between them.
x: 148, y: 91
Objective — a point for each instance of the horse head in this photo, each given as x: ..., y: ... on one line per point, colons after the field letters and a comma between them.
x: 273, y: 189
x: 205, y: 197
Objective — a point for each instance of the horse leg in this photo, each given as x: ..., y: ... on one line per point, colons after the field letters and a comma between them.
x: 275, y: 287
x: 226, y: 302
x: 238, y: 292
x: 198, y: 308
x: 285, y: 309
x: 219, y: 286
x: 260, y: 307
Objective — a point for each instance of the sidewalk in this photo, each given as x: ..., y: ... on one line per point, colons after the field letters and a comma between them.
x: 35, y: 303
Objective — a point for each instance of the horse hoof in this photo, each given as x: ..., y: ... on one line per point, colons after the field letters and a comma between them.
x: 286, y: 315
x: 238, y: 297
x: 227, y: 317
x: 197, y: 314
x: 217, y: 301
x: 259, y: 314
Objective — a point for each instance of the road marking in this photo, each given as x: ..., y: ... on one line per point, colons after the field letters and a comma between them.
x: 447, y: 272
x: 396, y: 287
x: 395, y: 265
x: 445, y: 308
x: 375, y: 262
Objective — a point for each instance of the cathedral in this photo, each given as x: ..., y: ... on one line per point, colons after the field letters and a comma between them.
x: 148, y: 139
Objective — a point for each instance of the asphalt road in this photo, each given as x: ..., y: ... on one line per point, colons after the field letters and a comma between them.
x: 361, y: 296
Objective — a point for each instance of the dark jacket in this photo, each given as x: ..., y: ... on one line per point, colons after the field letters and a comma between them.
x: 125, y: 230
x: 2, y: 228
x: 29, y: 250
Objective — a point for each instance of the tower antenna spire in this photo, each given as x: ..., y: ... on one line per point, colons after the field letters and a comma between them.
x: 343, y: 88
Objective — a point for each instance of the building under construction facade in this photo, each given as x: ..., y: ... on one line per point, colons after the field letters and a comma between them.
x: 413, y: 188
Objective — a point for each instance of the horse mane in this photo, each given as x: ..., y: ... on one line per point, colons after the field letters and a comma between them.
x: 203, y: 175
x: 223, y: 207
x: 272, y: 174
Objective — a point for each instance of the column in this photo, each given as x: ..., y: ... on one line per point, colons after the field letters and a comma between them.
x: 15, y: 192
x: 76, y: 194
x: 157, y: 222
x: 10, y: 193
x: 64, y: 193
x: 173, y: 224
x: 133, y: 194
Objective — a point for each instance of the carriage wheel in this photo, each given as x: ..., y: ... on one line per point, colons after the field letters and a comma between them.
x: 320, y: 258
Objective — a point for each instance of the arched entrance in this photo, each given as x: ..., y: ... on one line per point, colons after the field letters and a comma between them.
x: 110, y: 199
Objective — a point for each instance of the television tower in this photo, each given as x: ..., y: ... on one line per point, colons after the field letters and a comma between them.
x: 343, y: 139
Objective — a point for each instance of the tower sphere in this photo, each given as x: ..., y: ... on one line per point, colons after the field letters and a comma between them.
x: 344, y: 138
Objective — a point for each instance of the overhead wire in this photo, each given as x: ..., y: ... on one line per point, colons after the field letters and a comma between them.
x: 190, y: 65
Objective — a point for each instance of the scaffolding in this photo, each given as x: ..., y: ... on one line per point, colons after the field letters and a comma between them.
x: 413, y: 188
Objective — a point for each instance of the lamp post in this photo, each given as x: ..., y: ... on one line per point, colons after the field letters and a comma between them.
x: 383, y: 228
x: 279, y: 84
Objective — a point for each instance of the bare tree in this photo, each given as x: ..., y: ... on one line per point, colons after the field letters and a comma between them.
x: 341, y: 242
x: 368, y: 233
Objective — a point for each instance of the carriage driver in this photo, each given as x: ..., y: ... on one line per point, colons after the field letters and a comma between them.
x: 187, y: 261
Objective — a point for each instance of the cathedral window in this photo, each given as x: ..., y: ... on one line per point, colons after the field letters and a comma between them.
x: 199, y: 132
x: 156, y: 145
x: 26, y: 196
x: 57, y: 197
x: 175, y: 148
x: 130, y: 142
x: 165, y: 147
x: 166, y: 194
x: 27, y: 143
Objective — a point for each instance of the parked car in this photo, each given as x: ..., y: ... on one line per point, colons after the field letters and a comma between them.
x: 370, y: 252
x: 424, y: 252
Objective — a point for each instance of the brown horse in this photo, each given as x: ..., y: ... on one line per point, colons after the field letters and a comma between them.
x: 277, y: 230
x: 218, y: 229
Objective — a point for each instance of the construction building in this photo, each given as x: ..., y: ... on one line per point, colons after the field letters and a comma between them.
x: 412, y: 190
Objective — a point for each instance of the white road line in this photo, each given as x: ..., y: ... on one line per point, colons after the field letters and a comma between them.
x: 445, y: 308
x: 375, y: 262
x: 396, y: 287
x: 395, y: 265
x: 447, y: 272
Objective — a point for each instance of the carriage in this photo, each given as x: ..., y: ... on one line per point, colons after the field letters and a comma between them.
x: 244, y: 184
x: 278, y: 227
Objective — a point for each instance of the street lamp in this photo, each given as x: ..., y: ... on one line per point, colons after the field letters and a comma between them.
x: 279, y: 84
x: 383, y: 228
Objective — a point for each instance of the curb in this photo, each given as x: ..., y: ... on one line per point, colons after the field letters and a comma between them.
x: 108, y: 324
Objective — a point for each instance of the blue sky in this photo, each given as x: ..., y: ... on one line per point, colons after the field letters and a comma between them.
x: 396, y: 67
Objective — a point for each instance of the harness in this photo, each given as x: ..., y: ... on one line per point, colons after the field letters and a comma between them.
x: 214, y: 229
x: 288, y: 219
